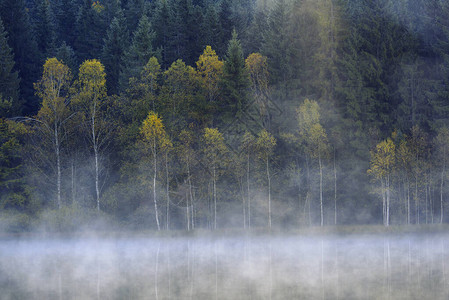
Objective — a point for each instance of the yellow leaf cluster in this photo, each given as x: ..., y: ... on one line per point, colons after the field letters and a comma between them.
x: 257, y: 66
x: 153, y: 132
x: 383, y: 159
x: 91, y: 83
x: 214, y: 144
x: 265, y: 144
x: 55, y: 80
x: 210, y: 70
x: 97, y: 6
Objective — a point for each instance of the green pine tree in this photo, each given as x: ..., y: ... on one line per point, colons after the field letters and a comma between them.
x: 21, y: 39
x: 90, y: 29
x: 140, y: 51
x: 45, y: 29
x: 9, y: 79
x: 235, y: 80
x: 114, y: 48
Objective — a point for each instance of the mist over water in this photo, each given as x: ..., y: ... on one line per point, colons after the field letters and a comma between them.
x: 248, y: 267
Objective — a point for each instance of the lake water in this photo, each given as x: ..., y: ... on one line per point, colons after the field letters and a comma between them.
x: 285, y: 267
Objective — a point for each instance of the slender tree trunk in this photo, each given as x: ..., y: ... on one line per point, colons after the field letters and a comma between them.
x: 73, y: 183
x: 192, y: 202
x: 408, y: 201
x: 430, y: 200
x: 58, y: 167
x: 248, y: 192
x: 154, y: 186
x: 167, y: 189
x: 298, y: 185
x: 388, y: 201
x: 95, y: 147
x: 215, y: 199
x: 97, y: 178
x: 187, y: 213
x: 383, y: 201
x: 308, y: 191
x: 190, y: 194
x: 269, y: 195
x: 441, y: 196
x: 242, y: 192
x: 427, y: 200
x: 335, y: 191
x: 416, y: 200
x: 321, y: 191
x: 442, y: 185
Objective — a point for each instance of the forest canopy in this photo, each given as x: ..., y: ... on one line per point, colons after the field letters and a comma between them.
x: 184, y: 114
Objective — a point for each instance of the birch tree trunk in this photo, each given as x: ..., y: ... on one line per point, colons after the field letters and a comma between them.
x: 388, y: 201
x: 58, y: 167
x: 154, y: 186
x: 73, y: 183
x: 242, y: 192
x: 416, y: 201
x: 215, y: 199
x: 167, y: 190
x: 269, y: 194
x: 383, y: 200
x: 248, y: 192
x: 321, y: 191
x: 308, y: 191
x: 190, y: 194
x: 335, y: 191
x: 408, y: 201
x: 442, y: 186
x: 97, y: 167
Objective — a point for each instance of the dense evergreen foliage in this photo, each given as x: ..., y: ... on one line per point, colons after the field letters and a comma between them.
x: 281, y: 113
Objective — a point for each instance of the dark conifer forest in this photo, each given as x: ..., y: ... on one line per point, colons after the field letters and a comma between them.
x: 216, y: 114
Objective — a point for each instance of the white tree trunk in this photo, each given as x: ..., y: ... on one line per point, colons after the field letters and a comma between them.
x: 248, y: 192
x: 215, y: 199
x: 335, y: 191
x: 58, y: 166
x: 416, y: 201
x: 167, y: 190
x: 408, y: 202
x: 154, y: 187
x: 321, y: 191
x: 383, y: 190
x: 388, y: 202
x: 96, y: 162
x: 191, y: 197
x: 269, y: 195
x: 97, y: 178
x: 442, y: 186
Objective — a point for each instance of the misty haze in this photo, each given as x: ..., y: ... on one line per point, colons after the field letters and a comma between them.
x: 251, y: 267
x: 224, y: 149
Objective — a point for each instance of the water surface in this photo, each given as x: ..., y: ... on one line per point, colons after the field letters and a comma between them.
x: 287, y: 267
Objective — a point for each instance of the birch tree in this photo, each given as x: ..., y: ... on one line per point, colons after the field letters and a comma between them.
x: 441, y: 144
x: 314, y: 137
x: 155, y: 140
x: 53, y: 116
x: 257, y: 67
x: 187, y: 156
x: 382, y: 164
x: 210, y: 70
x: 247, y: 148
x: 166, y: 148
x: 404, y: 158
x: 91, y: 97
x: 214, y: 151
x: 265, y: 144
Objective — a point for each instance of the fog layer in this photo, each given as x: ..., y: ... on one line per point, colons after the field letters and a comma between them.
x: 369, y: 267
